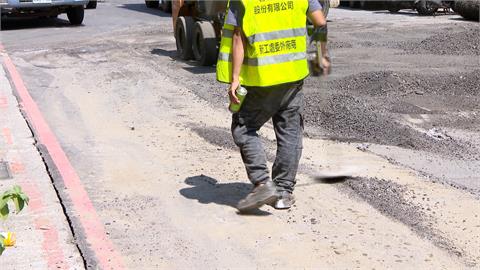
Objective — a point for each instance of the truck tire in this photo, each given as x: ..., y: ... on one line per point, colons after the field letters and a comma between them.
x: 166, y: 6
x: 75, y: 15
x: 184, y: 36
x: 92, y: 5
x: 392, y: 6
x: 205, y: 43
x: 468, y: 9
x: 151, y: 3
x: 426, y: 8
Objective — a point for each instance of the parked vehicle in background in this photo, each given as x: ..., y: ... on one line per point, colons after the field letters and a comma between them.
x: 165, y: 5
x: 44, y: 8
x: 423, y: 7
x: 91, y: 5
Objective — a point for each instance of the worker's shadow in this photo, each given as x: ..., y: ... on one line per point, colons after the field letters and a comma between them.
x: 207, y: 190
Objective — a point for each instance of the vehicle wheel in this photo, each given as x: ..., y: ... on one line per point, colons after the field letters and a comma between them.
x: 362, y: 4
x: 92, y: 5
x: 184, y: 36
x: 392, y: 7
x: 205, y: 43
x: 468, y: 9
x: 152, y: 3
x: 75, y: 15
x: 426, y: 8
x: 166, y: 6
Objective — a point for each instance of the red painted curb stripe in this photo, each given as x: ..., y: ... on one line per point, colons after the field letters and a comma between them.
x: 50, y: 244
x: 7, y: 135
x: 107, y: 256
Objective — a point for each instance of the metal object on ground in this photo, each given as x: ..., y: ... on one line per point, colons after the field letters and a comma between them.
x: 5, y: 170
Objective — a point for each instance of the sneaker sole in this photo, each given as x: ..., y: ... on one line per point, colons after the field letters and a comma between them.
x: 257, y: 204
x: 274, y: 205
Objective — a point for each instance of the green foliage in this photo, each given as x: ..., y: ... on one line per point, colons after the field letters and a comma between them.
x: 19, y: 200
x: 2, y: 247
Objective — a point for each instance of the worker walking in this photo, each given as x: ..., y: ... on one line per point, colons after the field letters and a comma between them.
x: 264, y: 49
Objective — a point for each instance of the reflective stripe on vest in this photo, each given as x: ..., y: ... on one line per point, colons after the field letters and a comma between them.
x: 276, y: 50
x: 267, y: 60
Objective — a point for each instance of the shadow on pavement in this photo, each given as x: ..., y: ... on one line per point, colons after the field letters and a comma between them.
x: 408, y: 12
x: 28, y: 23
x: 143, y: 8
x: 200, y: 69
x: 193, y: 67
x: 207, y: 190
x: 162, y: 52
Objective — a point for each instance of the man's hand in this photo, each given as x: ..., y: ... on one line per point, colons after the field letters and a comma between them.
x: 326, y: 65
x: 231, y: 92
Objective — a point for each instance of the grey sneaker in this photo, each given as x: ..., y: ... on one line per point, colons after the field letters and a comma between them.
x: 264, y: 193
x: 285, y: 201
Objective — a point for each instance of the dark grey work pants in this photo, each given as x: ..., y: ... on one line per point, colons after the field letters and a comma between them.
x: 284, y: 104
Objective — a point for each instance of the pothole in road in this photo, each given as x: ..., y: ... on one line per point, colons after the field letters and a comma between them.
x: 5, y: 170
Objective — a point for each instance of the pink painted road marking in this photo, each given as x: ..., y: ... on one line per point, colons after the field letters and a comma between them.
x: 100, y: 244
x: 7, y: 136
x: 3, y: 102
x: 50, y: 244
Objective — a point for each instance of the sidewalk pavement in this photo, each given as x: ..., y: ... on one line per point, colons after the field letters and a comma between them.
x: 44, y: 238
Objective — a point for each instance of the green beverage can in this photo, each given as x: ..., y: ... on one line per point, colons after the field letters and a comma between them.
x: 241, y: 92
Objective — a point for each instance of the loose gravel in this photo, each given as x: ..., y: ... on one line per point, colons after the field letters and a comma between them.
x: 451, y: 41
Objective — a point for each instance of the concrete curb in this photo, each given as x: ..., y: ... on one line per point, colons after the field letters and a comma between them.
x: 44, y: 238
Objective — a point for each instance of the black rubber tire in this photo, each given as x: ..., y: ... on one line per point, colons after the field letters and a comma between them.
x: 91, y: 5
x: 392, y: 6
x: 205, y: 43
x: 151, y: 3
x: 362, y: 4
x: 184, y: 37
x: 166, y: 6
x: 426, y: 10
x: 393, y: 9
x: 468, y: 9
x: 75, y: 15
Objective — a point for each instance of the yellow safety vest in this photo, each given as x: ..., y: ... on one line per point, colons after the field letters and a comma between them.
x: 277, y: 43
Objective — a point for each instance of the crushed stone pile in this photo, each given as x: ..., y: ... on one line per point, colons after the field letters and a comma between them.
x: 457, y: 40
x: 388, y: 83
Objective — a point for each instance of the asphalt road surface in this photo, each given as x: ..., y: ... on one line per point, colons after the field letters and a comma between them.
x: 148, y: 136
